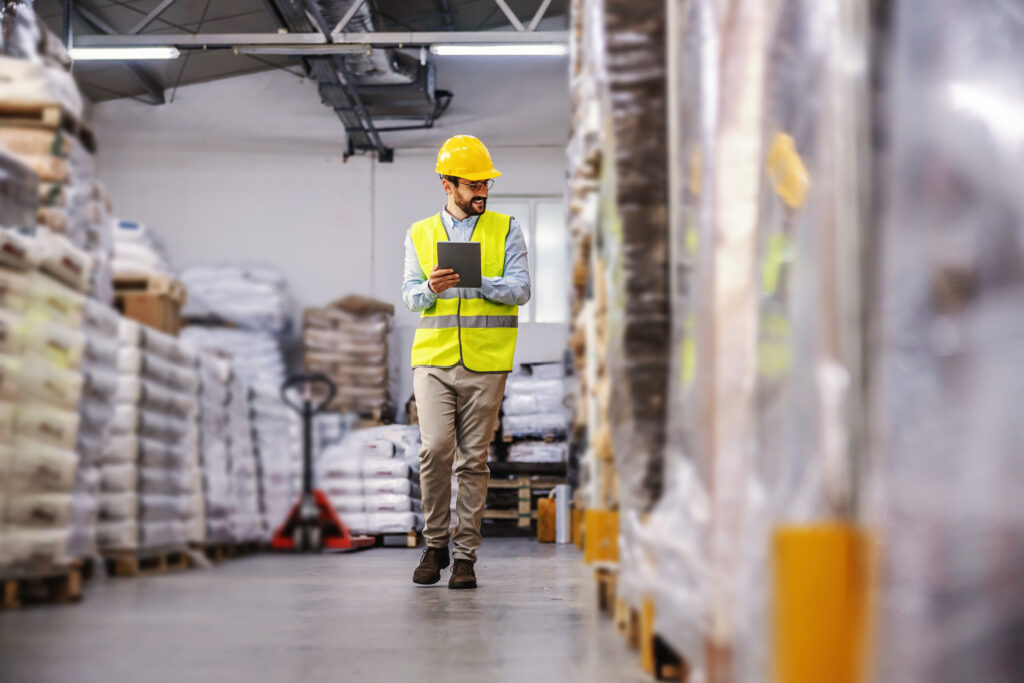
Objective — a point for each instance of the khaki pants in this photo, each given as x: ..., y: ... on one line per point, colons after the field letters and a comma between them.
x: 457, y: 408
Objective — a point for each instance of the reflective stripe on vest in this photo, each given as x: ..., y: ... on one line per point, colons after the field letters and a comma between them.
x: 462, y: 326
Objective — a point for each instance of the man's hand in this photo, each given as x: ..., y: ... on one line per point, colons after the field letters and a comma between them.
x: 441, y: 280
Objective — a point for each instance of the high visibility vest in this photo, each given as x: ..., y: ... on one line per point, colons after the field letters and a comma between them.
x: 462, y: 326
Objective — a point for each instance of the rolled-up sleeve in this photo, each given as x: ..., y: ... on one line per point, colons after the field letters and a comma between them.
x: 512, y: 288
x: 416, y: 292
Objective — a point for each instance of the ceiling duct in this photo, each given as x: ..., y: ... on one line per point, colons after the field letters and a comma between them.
x: 375, y: 67
x: 381, y: 83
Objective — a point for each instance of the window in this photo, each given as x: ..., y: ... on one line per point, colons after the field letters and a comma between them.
x: 543, y: 221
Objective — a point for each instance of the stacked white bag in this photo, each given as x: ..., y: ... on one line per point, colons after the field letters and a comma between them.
x: 220, y: 500
x: 247, y: 520
x: 150, y: 474
x: 255, y: 355
x: 249, y: 295
x: 372, y: 479
x: 272, y: 424
x: 535, y: 408
x: 96, y: 412
x: 40, y: 388
x: 138, y: 251
x: 118, y: 527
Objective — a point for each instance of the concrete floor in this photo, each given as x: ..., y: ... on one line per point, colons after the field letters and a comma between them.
x: 354, y: 617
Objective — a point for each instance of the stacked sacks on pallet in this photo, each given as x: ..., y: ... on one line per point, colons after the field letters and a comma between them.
x: 72, y: 203
x: 41, y: 385
x: 247, y: 295
x: 138, y: 251
x: 372, y: 479
x: 534, y: 406
x: 156, y: 418
x: 73, y: 211
x: 247, y: 521
x: 273, y: 429
x: 254, y: 300
x: 350, y: 341
x: 255, y: 355
x: 34, y: 66
x: 118, y: 528
x: 96, y: 412
x: 218, y: 489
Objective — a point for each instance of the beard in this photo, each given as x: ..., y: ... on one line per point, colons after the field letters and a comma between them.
x: 469, y: 207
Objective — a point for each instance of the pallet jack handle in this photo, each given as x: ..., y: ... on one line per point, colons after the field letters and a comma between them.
x: 308, y: 409
x: 312, y: 523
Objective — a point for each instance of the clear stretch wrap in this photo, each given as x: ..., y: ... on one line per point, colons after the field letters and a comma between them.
x: 679, y: 525
x: 949, y: 373
x: 635, y: 233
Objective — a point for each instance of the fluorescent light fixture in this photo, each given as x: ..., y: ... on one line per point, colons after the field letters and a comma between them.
x: 123, y: 53
x: 518, y: 50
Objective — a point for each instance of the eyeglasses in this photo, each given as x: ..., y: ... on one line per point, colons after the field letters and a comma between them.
x: 478, y: 185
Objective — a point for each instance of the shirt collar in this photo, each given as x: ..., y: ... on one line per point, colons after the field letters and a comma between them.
x: 450, y: 221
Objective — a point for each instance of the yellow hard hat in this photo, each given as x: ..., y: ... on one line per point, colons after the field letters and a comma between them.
x: 464, y: 156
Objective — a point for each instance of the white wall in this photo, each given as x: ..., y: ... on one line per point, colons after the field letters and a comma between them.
x: 251, y: 168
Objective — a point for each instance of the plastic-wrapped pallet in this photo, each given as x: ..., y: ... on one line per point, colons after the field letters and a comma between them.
x: 538, y: 452
x: 272, y: 433
x: 96, y: 413
x: 247, y: 522
x: 350, y: 341
x: 255, y: 355
x: 219, y: 496
x: 19, y: 185
x: 34, y: 68
x: 41, y: 386
x: 534, y: 406
x: 372, y: 479
x: 165, y: 421
x: 248, y: 295
x: 951, y: 323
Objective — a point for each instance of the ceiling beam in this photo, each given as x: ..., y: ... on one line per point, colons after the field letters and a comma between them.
x: 513, y: 19
x: 144, y: 78
x: 541, y: 11
x: 348, y: 16
x: 151, y: 17
x: 376, y: 39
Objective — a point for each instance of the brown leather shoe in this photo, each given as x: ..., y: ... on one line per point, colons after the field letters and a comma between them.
x: 431, y: 563
x: 462, y: 575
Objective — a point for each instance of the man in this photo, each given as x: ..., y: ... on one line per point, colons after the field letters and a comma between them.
x: 462, y: 351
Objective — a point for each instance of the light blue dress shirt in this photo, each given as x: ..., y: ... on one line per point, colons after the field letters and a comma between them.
x: 512, y: 288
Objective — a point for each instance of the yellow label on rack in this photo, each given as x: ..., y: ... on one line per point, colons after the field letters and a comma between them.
x: 787, y: 171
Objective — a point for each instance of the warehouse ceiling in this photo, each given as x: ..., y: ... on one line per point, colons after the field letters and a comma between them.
x: 379, y: 85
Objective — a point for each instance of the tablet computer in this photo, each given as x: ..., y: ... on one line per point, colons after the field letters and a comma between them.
x: 464, y: 259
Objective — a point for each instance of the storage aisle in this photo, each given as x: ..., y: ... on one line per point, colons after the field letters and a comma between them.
x: 329, y: 618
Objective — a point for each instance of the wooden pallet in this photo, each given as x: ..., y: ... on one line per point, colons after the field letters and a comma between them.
x: 59, y: 585
x: 150, y: 283
x: 153, y: 300
x: 547, y: 438
x: 411, y: 539
x: 132, y: 563
x: 607, y: 579
x: 627, y: 622
x: 523, y: 513
x: 46, y: 115
x: 222, y: 552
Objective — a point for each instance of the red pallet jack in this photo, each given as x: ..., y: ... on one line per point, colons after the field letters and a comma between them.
x: 312, y: 524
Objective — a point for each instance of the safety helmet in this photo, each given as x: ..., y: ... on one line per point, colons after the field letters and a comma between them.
x: 464, y: 156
